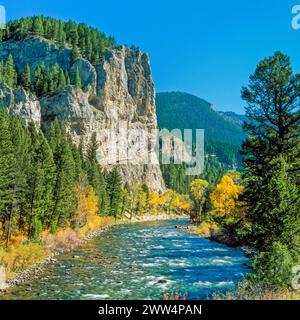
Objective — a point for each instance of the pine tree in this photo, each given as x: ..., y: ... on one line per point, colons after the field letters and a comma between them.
x: 89, y: 41
x: 38, y: 28
x: 40, y: 81
x: 10, y: 72
x: 75, y: 53
x: 26, y: 78
x: 273, y: 128
x: 67, y: 77
x: 95, y: 175
x: 114, y: 190
x: 78, y: 160
x: 2, y: 71
x: 61, y: 36
x: 41, y: 181
x: 7, y: 175
x: 62, y: 79
x: 278, y: 217
x: 63, y: 195
x: 92, y: 148
x: 78, y: 83
x: 22, y: 148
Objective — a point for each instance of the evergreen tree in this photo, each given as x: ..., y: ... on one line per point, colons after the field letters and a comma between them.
x: 114, y: 190
x: 63, y: 195
x: 78, y: 83
x: 61, y: 36
x: 38, y: 27
x: 41, y: 181
x: 2, y: 72
x: 67, y: 77
x: 75, y: 53
x: 273, y: 128
x: 7, y: 175
x: 21, y: 144
x: 39, y: 80
x: 95, y: 175
x: 10, y: 77
x: 62, y: 79
x: 26, y: 78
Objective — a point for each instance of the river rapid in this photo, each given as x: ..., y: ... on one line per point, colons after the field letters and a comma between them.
x: 139, y: 261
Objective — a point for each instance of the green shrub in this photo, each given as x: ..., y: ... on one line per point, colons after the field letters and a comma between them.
x: 273, y: 268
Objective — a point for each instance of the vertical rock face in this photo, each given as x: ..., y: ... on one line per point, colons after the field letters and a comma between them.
x: 20, y: 102
x: 125, y: 83
x: 127, y: 95
x: 121, y: 93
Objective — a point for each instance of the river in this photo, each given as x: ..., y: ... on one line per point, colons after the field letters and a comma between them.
x: 139, y: 261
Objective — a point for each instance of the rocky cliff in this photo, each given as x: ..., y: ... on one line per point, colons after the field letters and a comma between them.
x: 120, y: 90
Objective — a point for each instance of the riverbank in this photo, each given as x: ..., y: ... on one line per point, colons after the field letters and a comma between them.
x: 214, y: 232
x: 34, y: 271
x: 149, y: 218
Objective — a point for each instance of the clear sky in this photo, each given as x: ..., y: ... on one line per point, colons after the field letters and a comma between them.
x: 207, y: 48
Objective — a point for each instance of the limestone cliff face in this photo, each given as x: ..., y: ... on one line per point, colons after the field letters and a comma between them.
x: 120, y: 91
x: 35, y: 50
x: 21, y: 103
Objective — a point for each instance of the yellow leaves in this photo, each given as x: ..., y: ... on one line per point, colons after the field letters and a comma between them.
x: 21, y: 256
x: 154, y: 200
x: 164, y: 199
x: 87, y: 206
x: 86, y: 219
x: 91, y: 202
x: 169, y: 201
x: 207, y: 229
x: 225, y: 196
x: 198, y: 188
x: 181, y: 202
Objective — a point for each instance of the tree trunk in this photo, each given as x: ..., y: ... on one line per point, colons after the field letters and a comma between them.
x: 9, y: 225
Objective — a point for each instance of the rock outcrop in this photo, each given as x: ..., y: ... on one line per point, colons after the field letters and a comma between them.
x: 120, y: 94
x: 35, y: 50
x: 21, y: 103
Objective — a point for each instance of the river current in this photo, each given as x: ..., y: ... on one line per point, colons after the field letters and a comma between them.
x: 139, y: 261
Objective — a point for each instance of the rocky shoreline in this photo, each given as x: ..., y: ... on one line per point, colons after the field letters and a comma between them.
x: 34, y: 271
x: 224, y: 239
x: 149, y: 218
x: 228, y: 241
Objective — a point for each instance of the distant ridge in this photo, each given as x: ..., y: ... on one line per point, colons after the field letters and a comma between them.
x: 233, y: 117
x: 185, y: 111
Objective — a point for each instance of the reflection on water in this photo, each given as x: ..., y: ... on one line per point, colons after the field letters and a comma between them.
x: 139, y: 262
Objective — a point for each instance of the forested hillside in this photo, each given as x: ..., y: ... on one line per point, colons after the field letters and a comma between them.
x: 84, y: 40
x: 223, y: 137
x: 235, y: 118
x: 184, y: 111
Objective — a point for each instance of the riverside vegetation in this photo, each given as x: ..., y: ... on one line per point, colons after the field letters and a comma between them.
x: 260, y: 208
x: 52, y: 194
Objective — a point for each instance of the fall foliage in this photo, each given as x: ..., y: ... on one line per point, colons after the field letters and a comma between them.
x: 198, y: 191
x: 225, y: 196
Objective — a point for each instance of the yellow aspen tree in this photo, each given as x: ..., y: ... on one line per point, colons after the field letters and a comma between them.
x: 225, y: 196
x: 198, y: 189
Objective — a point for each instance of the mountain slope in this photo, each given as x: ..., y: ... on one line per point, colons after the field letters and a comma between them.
x: 185, y: 111
x: 233, y: 117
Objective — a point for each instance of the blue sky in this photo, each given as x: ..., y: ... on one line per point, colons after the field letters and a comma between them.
x: 207, y: 48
